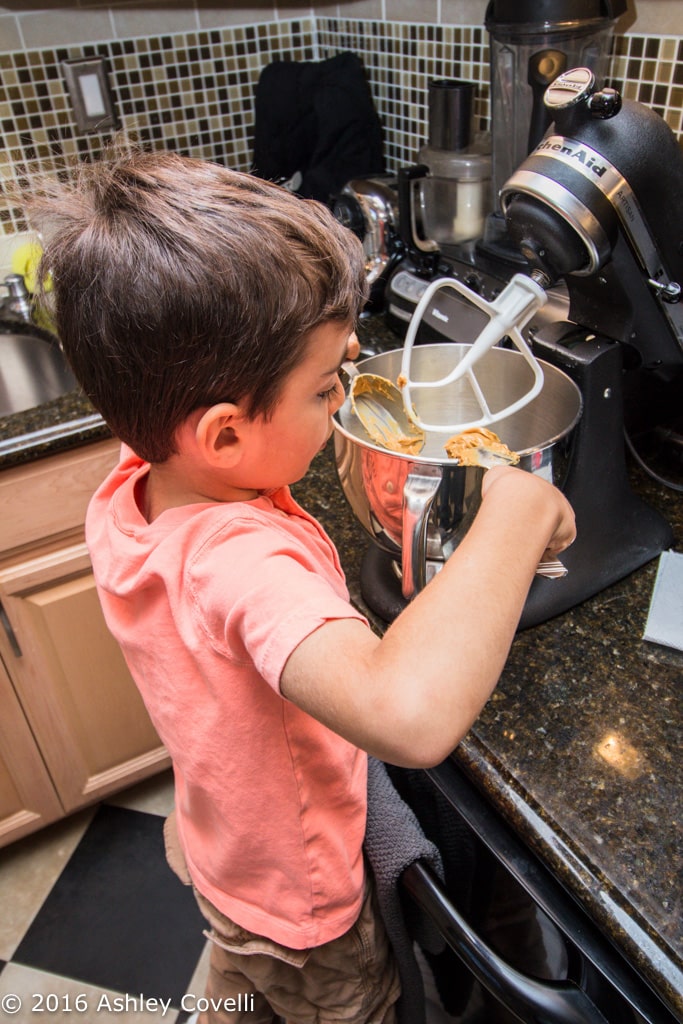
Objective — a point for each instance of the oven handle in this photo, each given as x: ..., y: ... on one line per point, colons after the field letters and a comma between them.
x: 534, y: 1001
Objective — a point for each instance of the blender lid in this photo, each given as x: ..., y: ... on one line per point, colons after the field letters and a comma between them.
x: 519, y: 13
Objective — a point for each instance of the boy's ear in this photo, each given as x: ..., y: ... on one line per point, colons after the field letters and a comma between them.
x: 218, y: 433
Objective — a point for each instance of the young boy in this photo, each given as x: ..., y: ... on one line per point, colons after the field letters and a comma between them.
x: 207, y: 313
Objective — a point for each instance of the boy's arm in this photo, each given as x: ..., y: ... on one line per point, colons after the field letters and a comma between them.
x: 410, y: 697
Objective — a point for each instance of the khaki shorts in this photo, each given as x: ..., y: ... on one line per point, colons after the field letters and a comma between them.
x: 351, y: 980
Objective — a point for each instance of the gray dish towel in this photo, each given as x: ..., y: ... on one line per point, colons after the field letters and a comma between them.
x: 393, y: 840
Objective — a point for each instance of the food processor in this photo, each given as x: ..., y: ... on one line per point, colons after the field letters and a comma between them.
x: 445, y: 197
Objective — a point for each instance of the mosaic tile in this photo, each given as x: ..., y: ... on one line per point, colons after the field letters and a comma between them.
x: 193, y: 92
x: 190, y: 92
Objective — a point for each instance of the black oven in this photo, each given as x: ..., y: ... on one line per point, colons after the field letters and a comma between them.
x: 519, y: 947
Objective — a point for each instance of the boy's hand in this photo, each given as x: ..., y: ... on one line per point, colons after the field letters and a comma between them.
x: 535, y: 486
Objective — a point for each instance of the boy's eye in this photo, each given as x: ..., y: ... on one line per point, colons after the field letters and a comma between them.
x: 330, y: 392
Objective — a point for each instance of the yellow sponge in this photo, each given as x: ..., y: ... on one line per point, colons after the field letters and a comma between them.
x: 25, y: 260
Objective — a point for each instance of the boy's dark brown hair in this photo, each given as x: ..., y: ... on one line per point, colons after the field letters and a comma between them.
x: 178, y: 284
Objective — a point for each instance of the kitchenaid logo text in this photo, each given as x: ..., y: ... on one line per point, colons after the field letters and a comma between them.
x: 590, y: 160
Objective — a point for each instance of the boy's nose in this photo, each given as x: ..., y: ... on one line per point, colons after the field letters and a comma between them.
x: 353, y: 346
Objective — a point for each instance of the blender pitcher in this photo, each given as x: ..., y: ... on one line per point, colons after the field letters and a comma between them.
x: 532, y: 42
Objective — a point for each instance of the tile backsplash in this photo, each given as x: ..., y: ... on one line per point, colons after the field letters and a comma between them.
x: 193, y: 90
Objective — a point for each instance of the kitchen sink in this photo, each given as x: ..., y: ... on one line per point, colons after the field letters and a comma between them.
x: 33, y: 369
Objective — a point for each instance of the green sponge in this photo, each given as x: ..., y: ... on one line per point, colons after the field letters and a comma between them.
x: 25, y: 261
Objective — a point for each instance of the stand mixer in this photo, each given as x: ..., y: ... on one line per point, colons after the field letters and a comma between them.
x: 592, y: 206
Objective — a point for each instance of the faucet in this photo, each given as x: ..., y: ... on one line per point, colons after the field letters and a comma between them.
x: 18, y: 303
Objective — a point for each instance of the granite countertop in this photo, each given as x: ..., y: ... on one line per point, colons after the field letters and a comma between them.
x: 578, y: 747
x: 606, y: 824
x: 50, y: 428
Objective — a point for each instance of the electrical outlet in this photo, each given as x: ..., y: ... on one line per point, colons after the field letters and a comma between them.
x: 91, y: 98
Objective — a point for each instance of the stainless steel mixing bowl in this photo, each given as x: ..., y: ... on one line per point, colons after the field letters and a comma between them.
x: 418, y: 507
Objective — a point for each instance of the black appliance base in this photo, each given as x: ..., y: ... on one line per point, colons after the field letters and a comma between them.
x: 380, y: 587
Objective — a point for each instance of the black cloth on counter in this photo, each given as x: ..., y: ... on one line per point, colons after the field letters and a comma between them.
x: 316, y: 125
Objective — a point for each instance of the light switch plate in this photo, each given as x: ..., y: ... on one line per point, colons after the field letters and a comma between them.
x: 90, y: 93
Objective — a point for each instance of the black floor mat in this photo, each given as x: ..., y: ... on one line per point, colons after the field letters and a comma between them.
x: 117, y: 917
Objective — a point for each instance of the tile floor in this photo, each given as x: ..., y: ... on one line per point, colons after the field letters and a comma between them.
x: 90, y: 909
x: 95, y: 927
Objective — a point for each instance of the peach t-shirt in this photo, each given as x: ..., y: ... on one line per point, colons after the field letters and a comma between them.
x: 208, y: 601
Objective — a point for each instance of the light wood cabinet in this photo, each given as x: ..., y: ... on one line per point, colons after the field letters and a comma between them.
x: 27, y: 797
x: 73, y: 727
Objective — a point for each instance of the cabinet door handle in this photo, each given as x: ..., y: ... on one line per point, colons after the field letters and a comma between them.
x: 11, y: 635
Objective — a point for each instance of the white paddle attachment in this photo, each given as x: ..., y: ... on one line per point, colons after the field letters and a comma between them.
x: 508, y: 314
